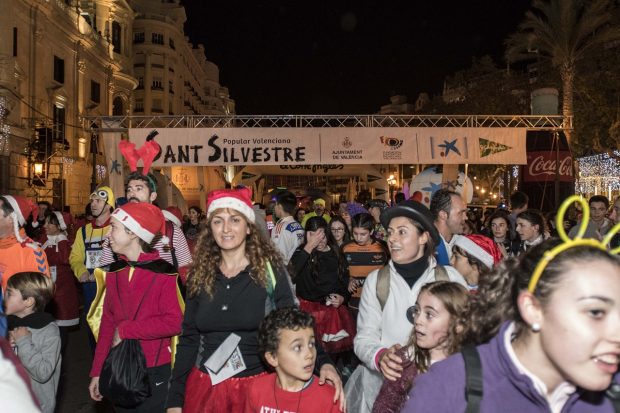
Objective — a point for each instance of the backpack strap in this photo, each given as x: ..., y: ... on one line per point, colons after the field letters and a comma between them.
x: 441, y: 274
x: 473, y: 378
x: 271, y: 285
x: 170, y: 235
x: 383, y: 285
x: 613, y: 394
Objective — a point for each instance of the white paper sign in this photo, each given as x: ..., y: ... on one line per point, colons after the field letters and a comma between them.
x: 226, y: 361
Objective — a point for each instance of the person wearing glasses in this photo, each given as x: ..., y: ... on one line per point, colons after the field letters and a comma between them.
x: 339, y: 231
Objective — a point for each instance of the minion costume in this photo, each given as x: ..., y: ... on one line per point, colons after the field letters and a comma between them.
x: 88, y: 247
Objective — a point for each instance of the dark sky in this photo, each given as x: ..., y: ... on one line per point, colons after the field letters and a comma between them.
x: 336, y: 57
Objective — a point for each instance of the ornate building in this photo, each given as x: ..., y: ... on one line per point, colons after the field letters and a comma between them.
x: 61, y: 61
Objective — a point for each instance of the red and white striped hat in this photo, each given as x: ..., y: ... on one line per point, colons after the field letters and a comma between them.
x: 238, y: 199
x: 143, y: 219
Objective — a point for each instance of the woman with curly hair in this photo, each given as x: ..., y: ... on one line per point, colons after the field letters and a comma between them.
x: 236, y: 279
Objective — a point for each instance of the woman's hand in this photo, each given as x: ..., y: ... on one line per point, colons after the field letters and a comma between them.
x: 353, y: 285
x: 313, y: 239
x: 390, y: 364
x: 93, y: 389
x: 329, y: 374
x: 116, y: 340
x: 336, y: 300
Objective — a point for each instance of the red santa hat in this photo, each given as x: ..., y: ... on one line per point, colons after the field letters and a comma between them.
x: 238, y: 199
x: 61, y: 220
x: 22, y: 209
x: 143, y: 219
x: 174, y: 215
x: 480, y: 247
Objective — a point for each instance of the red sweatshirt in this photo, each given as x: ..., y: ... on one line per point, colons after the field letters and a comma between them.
x: 159, y: 317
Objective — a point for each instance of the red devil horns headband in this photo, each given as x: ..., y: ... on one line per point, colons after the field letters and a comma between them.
x: 147, y: 153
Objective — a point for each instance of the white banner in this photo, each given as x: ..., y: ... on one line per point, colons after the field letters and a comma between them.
x: 325, y: 146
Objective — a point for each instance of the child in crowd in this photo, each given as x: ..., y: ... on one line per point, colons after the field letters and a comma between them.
x: 286, y: 339
x: 65, y: 305
x: 473, y: 255
x: 548, y: 326
x: 438, y: 320
x: 140, y: 301
x: 364, y: 254
x: 34, y: 334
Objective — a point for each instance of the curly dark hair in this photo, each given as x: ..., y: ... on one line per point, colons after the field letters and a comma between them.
x: 208, y: 256
x: 288, y: 318
x: 499, y: 290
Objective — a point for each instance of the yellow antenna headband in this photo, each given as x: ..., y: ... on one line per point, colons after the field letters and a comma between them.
x: 570, y: 243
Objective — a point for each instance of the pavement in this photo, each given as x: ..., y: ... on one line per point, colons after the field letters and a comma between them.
x: 73, y: 396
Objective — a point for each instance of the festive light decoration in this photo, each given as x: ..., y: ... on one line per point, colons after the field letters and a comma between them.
x: 68, y: 163
x: 5, y: 129
x: 598, y: 174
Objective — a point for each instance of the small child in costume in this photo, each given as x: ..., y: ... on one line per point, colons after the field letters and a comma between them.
x: 286, y: 339
x: 437, y: 333
x: 34, y: 333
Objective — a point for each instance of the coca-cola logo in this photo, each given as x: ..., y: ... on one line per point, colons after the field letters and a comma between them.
x: 544, y: 166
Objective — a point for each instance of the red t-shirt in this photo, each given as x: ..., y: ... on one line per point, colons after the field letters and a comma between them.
x: 265, y: 396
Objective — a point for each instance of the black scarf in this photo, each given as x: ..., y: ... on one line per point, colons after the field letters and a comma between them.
x: 412, y: 271
x: 35, y: 320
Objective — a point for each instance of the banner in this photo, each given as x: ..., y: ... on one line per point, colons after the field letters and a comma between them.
x: 325, y: 146
x: 541, y: 167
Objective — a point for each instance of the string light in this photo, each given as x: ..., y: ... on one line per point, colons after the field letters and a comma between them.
x: 67, y: 164
x: 5, y: 129
x: 598, y: 174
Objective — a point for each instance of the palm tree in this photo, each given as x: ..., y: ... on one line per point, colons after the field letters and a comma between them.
x: 562, y: 32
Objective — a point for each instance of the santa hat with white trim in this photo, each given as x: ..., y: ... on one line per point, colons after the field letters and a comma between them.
x: 61, y: 220
x: 480, y: 247
x: 238, y: 199
x: 143, y: 219
x: 22, y: 209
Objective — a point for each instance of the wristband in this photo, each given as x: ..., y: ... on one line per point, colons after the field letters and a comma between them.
x: 378, y: 357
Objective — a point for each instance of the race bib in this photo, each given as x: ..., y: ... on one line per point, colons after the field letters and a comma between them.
x: 226, y: 361
x: 53, y: 272
x: 93, y: 258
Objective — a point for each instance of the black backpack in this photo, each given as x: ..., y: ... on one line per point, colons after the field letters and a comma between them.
x: 474, y: 384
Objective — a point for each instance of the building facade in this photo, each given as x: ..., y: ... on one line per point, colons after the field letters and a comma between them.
x: 64, y: 60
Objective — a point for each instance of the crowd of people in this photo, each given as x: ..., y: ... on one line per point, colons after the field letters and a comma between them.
x: 354, y: 306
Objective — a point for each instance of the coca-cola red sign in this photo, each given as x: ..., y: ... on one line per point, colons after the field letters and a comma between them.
x: 541, y: 167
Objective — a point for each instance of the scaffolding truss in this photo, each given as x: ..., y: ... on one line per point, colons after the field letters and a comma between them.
x: 532, y: 122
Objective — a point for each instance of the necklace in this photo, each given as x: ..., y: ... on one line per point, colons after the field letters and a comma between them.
x: 306, y: 384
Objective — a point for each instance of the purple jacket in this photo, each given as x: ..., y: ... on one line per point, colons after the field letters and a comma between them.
x: 442, y: 388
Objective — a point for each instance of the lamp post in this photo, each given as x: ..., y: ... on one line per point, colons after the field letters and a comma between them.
x: 93, y: 151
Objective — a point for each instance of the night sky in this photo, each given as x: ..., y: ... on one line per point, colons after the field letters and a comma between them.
x: 336, y: 57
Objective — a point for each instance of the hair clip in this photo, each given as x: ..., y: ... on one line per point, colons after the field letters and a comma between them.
x: 147, y: 152
x: 570, y: 243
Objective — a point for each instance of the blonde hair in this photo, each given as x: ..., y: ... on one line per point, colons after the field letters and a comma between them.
x: 208, y: 257
x: 33, y: 285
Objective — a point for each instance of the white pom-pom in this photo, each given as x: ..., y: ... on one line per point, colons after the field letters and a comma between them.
x: 165, y: 240
x: 35, y: 223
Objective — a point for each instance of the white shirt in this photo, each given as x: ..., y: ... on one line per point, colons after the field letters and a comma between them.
x: 287, y: 235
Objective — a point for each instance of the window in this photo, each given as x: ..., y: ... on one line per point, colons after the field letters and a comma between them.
x: 157, y: 106
x: 118, y: 108
x: 171, y: 87
x: 157, y: 84
x: 141, y: 82
x: 138, y: 37
x: 59, y: 70
x: 171, y: 43
x: 139, y: 105
x: 59, y: 123
x: 116, y: 37
x: 14, y: 41
x: 157, y: 38
x: 95, y: 91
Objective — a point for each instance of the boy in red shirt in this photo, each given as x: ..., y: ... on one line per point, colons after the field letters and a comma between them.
x: 286, y: 338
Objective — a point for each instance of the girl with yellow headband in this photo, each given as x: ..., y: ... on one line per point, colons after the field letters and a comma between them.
x: 548, y: 333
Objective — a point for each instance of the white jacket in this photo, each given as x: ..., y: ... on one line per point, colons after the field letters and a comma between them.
x: 378, y: 329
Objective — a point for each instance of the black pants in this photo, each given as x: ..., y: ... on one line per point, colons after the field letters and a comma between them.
x: 158, y: 380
